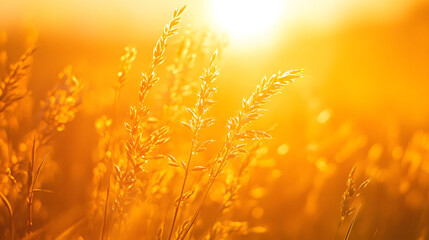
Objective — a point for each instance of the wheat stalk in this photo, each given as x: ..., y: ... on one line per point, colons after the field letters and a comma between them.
x: 31, y: 183
x: 60, y: 106
x: 198, y: 121
x: 140, y: 113
x: 231, y: 192
x: 10, y: 86
x: 137, y: 147
x: 126, y: 63
x: 251, y: 110
x: 177, y: 76
x: 349, y: 196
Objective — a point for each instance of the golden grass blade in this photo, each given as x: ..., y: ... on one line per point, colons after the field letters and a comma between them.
x: 36, y: 176
x: 198, y: 121
x: 349, y: 229
x: 38, y: 190
x: 250, y: 111
x: 30, y: 186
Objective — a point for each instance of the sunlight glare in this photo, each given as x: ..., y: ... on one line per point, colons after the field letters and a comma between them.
x: 246, y: 18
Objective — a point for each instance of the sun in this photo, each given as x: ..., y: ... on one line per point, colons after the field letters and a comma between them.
x: 246, y: 18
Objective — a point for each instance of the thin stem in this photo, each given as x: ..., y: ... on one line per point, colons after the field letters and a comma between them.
x: 222, y: 207
x: 195, y: 217
x: 212, y: 180
x: 29, y: 213
x: 30, y: 186
x: 176, y: 212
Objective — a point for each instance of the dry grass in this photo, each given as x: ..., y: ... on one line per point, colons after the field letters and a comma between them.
x: 348, y: 198
x: 169, y: 169
x: 12, y: 87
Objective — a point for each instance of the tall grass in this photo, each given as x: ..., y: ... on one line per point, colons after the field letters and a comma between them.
x: 172, y: 169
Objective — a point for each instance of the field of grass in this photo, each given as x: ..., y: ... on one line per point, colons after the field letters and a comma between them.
x: 185, y: 139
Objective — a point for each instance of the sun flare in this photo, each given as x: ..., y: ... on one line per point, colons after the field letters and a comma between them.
x: 214, y: 119
x: 246, y: 18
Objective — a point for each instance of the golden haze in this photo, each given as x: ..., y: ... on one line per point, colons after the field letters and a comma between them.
x: 156, y: 110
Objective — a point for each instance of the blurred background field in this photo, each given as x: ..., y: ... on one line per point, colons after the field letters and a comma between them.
x: 363, y: 100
